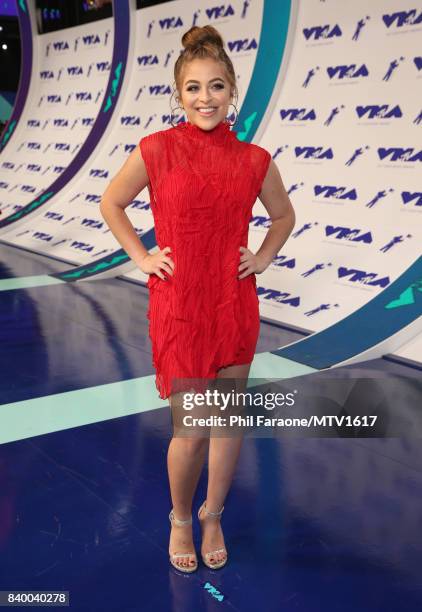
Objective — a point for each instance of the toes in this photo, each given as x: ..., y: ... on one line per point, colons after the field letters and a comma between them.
x: 185, y: 562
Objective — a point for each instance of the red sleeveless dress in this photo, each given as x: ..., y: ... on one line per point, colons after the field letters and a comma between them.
x: 202, y: 187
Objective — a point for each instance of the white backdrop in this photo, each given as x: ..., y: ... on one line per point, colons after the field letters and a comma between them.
x: 349, y: 151
x: 69, y: 77
x: 345, y: 134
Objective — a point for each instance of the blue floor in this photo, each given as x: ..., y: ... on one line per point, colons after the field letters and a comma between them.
x: 317, y: 524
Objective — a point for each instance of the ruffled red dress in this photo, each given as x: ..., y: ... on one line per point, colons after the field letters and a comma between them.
x: 202, y: 186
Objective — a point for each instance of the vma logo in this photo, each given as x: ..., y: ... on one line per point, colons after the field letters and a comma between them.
x: 53, y: 216
x: 74, y: 71
x: 92, y: 223
x: 82, y: 246
x: 280, y: 297
x: 91, y: 39
x: 412, y: 197
x: 346, y: 233
x: 159, y: 90
x: 46, y: 75
x: 60, y: 46
x: 83, y: 96
x: 148, y: 60
x: 220, y: 12
x: 102, y: 66
x: 42, y: 236
x: 212, y: 590
x: 246, y: 44
x: 332, y: 191
x: 33, y: 167
x: 130, y: 120
x: 398, y: 154
x: 98, y: 173
x: 282, y: 261
x: 171, y: 23
x: 403, y: 18
x: 59, y: 122
x: 141, y: 205
x: 347, y: 71
x: 360, y: 276
x: 377, y: 111
x: 260, y: 221
x: 322, y: 32
x: 92, y: 197
x: 297, y: 114
x: 62, y: 146
x: 314, y: 153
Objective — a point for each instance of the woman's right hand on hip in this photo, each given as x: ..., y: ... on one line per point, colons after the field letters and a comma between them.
x: 158, y: 263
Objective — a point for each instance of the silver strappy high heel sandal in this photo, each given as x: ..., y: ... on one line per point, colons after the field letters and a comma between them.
x: 173, y: 556
x: 217, y: 564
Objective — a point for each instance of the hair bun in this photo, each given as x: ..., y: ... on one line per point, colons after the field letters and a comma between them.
x: 198, y: 36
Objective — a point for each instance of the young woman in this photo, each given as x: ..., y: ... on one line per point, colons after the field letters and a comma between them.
x: 203, y: 309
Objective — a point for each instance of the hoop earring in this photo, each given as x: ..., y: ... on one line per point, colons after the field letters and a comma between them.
x: 234, y: 122
x: 172, y: 110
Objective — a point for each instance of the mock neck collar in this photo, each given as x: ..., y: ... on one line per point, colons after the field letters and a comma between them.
x: 218, y: 135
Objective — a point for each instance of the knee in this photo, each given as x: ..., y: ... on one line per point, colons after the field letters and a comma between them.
x: 193, y: 446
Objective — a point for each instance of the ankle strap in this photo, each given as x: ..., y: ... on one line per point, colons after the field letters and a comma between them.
x: 179, y: 522
x: 215, y: 514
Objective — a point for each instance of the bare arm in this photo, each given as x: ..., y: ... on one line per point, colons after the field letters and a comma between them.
x: 274, y: 197
x: 121, y: 191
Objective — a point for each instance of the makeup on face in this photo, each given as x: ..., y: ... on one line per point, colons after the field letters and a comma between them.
x: 205, y: 93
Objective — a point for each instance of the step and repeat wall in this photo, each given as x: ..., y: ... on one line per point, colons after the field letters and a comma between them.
x: 346, y: 136
x: 344, y: 130
x: 71, y: 227
x: 69, y: 78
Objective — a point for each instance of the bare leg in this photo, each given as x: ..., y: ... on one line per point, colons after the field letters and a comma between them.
x: 185, y: 459
x: 222, y: 460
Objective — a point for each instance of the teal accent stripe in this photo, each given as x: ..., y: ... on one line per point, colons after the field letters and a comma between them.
x: 271, y: 46
x: 43, y: 415
x: 7, y: 284
x: 112, y: 261
x: 396, y: 307
x: 5, y: 108
x: 268, y: 365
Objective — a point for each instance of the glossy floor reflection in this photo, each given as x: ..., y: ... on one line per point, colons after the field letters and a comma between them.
x: 310, y: 524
